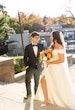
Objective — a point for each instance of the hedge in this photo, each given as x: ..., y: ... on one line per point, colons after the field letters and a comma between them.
x: 18, y: 64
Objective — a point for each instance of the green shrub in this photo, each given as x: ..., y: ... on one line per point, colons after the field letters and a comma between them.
x: 17, y: 68
x: 19, y: 64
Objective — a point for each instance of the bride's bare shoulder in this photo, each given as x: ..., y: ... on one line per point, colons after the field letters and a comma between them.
x: 60, y: 47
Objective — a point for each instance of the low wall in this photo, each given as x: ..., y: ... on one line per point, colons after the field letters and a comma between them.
x: 73, y: 58
x: 69, y: 59
x: 7, y: 72
x: 6, y: 69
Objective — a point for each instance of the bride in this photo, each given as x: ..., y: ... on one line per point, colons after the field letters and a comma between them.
x: 55, y: 85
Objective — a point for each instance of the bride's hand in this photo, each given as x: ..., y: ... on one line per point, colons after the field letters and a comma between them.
x: 48, y: 63
x: 44, y: 64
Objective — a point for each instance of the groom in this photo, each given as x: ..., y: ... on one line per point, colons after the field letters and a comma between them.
x: 31, y: 61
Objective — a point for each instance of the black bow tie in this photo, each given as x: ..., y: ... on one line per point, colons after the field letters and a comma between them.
x: 35, y: 45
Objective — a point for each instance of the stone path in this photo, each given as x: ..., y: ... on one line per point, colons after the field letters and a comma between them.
x: 11, y: 97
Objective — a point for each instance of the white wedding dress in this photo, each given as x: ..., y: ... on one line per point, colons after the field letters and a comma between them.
x: 59, y: 84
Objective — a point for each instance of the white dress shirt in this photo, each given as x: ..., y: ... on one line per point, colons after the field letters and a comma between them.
x: 35, y: 48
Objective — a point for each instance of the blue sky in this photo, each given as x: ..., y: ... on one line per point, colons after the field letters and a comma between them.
x: 50, y: 8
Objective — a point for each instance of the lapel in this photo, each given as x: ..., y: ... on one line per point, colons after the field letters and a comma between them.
x: 38, y: 49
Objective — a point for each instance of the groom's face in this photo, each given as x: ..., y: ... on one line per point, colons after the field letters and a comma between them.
x: 35, y: 39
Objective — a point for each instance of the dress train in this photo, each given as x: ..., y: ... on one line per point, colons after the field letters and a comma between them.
x: 59, y: 86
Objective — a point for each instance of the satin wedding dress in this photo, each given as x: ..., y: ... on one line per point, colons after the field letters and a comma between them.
x: 59, y: 84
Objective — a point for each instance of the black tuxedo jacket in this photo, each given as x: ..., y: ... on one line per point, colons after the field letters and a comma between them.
x: 29, y: 57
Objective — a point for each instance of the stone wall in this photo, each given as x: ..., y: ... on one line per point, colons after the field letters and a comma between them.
x: 6, y: 69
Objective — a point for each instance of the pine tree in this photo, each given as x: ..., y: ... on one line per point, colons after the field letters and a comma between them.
x: 2, y: 28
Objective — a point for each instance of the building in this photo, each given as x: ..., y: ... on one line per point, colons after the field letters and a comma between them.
x: 15, y: 46
x: 15, y: 42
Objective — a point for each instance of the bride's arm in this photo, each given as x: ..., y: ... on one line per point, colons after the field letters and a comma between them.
x: 59, y: 60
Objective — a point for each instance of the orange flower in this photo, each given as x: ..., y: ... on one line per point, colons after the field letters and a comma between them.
x: 45, y: 55
x: 49, y: 55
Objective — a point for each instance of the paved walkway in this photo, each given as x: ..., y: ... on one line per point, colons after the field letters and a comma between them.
x: 11, y: 97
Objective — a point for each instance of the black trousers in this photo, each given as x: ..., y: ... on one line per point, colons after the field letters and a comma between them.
x: 32, y: 72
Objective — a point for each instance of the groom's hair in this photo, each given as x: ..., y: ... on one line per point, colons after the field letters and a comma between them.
x: 34, y: 33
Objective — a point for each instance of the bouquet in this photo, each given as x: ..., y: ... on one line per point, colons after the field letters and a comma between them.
x: 45, y: 55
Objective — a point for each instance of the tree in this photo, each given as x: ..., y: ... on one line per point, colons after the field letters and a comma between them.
x: 45, y: 21
x: 68, y: 9
x: 2, y: 28
x: 5, y: 32
x: 3, y: 36
x: 33, y: 22
x: 2, y: 8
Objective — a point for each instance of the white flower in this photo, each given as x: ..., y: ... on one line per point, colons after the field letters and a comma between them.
x: 45, y: 58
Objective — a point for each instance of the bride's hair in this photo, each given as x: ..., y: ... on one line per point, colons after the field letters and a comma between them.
x: 56, y: 36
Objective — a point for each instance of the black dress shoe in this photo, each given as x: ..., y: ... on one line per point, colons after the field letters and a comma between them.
x: 27, y: 97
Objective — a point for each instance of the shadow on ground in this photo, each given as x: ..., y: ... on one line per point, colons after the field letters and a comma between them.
x: 30, y: 104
